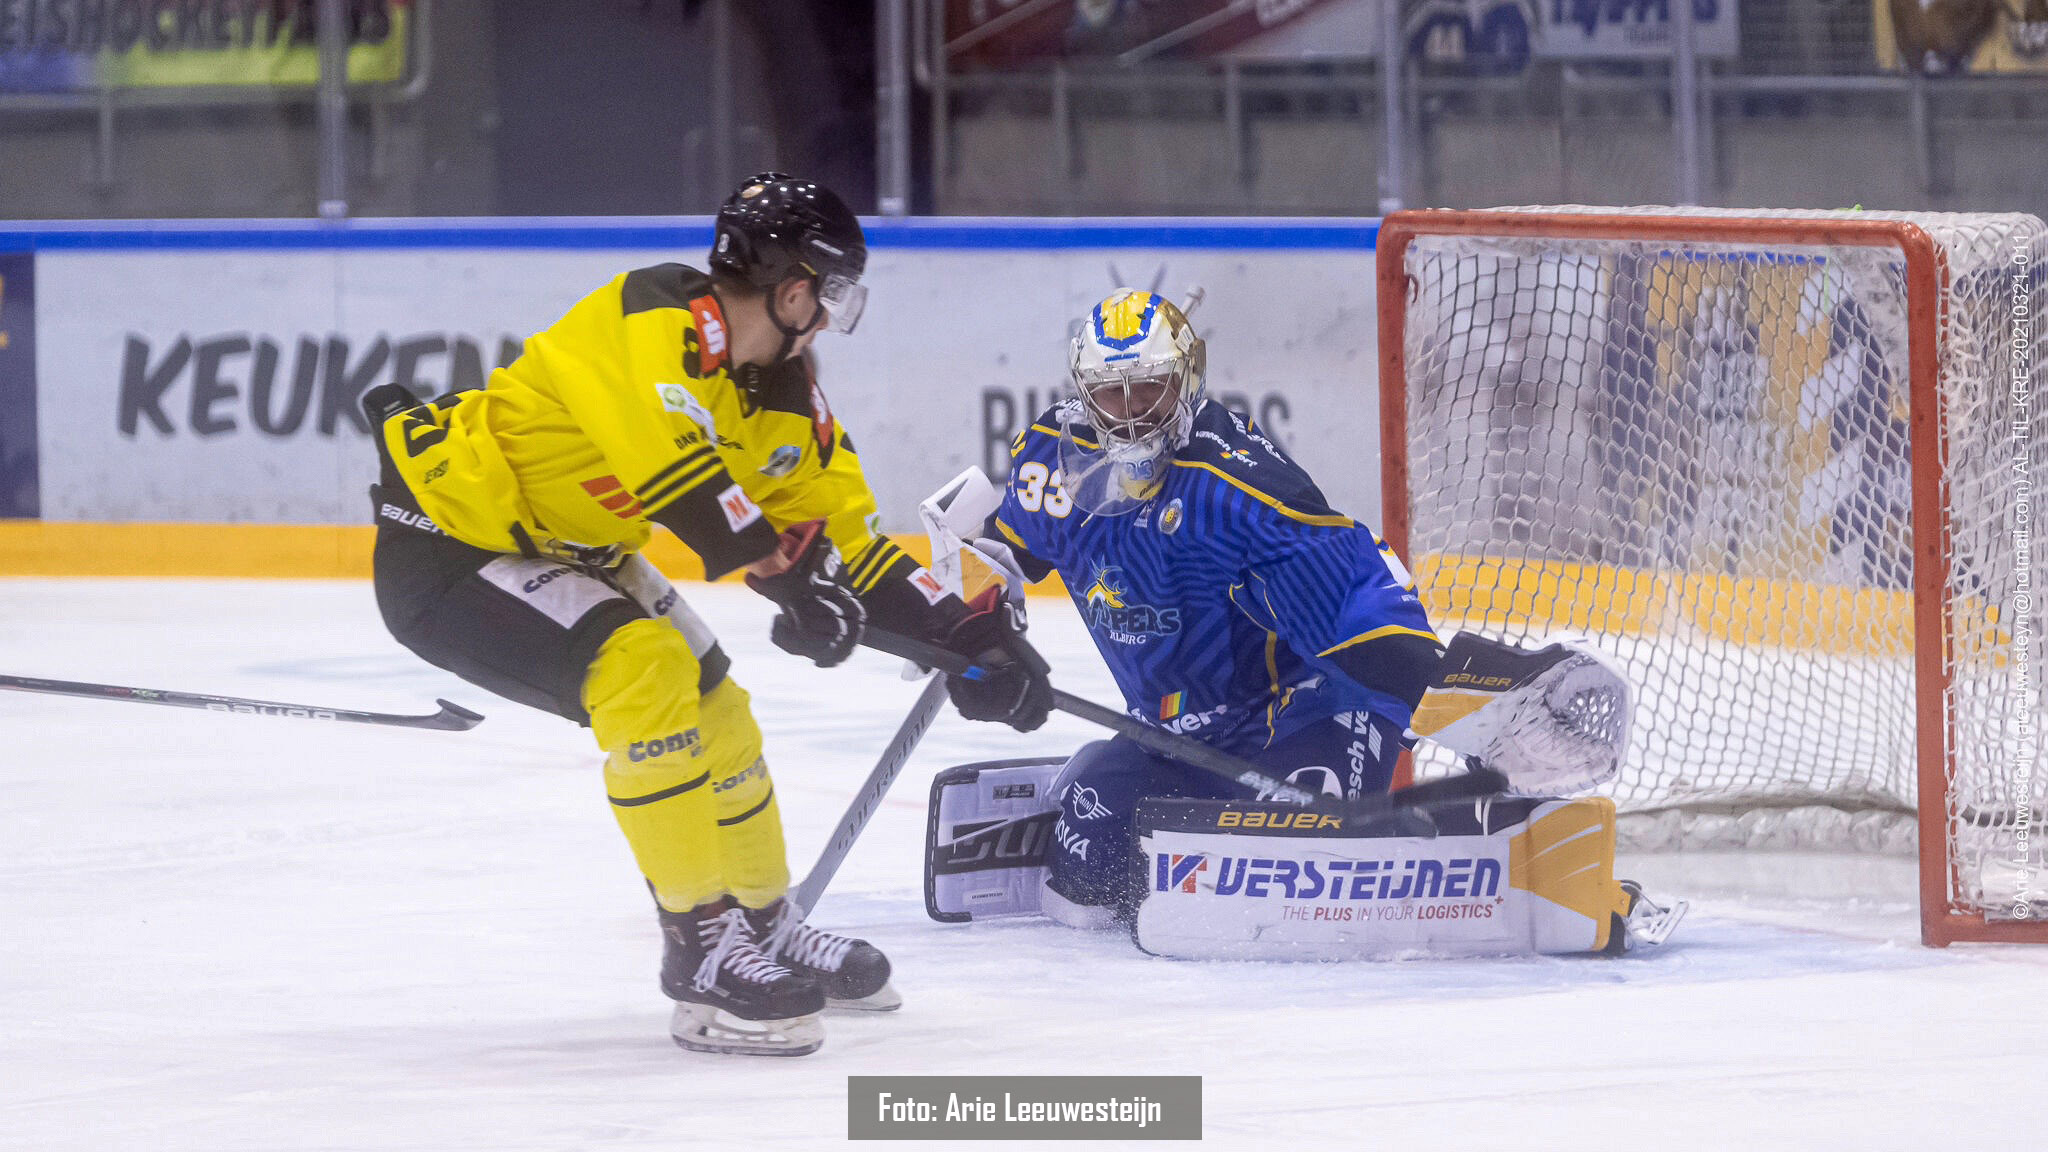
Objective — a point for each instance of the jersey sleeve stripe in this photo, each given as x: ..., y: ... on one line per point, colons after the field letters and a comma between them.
x: 1375, y: 634
x: 1273, y: 693
x: 873, y: 564
x: 1010, y: 534
x: 696, y: 476
x: 857, y: 566
x: 899, y: 566
x: 1268, y: 501
x: 695, y: 454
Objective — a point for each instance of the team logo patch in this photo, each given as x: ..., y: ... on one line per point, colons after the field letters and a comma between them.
x: 690, y: 406
x: 1127, y: 321
x: 739, y: 511
x: 783, y: 461
x: 1169, y: 520
x: 1107, y: 606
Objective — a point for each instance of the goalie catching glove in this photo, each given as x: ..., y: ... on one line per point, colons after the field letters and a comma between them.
x: 1553, y: 720
x: 1013, y: 688
x: 820, y: 618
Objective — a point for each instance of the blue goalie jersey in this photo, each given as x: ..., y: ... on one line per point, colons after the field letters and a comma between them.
x: 1218, y: 603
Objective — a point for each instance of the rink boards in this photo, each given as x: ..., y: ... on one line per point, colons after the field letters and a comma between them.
x: 181, y: 398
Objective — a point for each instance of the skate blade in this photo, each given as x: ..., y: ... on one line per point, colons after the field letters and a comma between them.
x: 883, y: 999
x: 704, y: 1028
x: 1650, y: 925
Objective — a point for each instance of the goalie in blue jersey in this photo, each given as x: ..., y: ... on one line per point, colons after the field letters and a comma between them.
x: 1230, y: 601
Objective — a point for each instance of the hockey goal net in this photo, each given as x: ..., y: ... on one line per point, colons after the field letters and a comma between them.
x: 1781, y: 465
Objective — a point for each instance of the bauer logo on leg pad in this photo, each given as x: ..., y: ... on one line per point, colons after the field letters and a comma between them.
x: 1297, y: 819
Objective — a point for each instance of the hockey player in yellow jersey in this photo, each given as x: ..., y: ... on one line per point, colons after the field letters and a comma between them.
x: 510, y: 520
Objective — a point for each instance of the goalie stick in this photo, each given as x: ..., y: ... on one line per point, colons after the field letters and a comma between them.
x: 450, y: 718
x: 1477, y: 781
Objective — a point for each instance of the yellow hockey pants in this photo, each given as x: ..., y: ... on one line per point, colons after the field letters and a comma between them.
x: 685, y: 775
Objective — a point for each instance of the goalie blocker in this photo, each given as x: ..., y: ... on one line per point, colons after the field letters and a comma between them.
x: 1247, y: 879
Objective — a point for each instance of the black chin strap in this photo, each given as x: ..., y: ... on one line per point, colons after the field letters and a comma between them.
x: 789, y: 334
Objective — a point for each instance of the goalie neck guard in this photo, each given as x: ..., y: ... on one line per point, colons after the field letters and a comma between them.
x: 1137, y: 370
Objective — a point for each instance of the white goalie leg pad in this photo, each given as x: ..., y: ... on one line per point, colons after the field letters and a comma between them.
x: 1499, y: 876
x: 707, y: 1028
x: 986, y: 837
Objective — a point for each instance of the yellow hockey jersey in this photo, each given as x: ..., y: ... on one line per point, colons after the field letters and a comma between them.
x: 627, y: 412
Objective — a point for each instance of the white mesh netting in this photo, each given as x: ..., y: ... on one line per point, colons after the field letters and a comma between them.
x: 1698, y: 453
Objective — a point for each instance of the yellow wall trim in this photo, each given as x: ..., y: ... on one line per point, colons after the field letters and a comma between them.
x: 1494, y: 591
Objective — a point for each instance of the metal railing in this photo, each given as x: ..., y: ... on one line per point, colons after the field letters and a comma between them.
x: 1789, y: 48
x: 107, y: 101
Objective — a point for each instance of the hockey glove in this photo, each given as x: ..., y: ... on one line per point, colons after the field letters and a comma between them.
x: 1014, y: 689
x: 820, y: 618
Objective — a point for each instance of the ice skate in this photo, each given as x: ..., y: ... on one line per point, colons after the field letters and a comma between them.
x: 853, y: 973
x: 1645, y: 924
x: 730, y: 997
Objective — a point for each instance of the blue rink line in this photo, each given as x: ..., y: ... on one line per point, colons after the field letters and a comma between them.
x: 682, y: 232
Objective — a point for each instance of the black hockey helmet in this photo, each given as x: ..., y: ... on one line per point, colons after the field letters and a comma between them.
x: 776, y: 226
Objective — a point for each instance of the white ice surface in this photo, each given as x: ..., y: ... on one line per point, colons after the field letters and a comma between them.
x: 229, y: 933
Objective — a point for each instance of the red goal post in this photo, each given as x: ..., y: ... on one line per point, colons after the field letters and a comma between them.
x: 1679, y: 431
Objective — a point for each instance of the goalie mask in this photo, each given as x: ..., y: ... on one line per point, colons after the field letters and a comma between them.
x: 1137, y: 369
